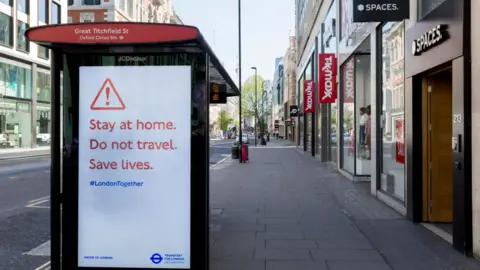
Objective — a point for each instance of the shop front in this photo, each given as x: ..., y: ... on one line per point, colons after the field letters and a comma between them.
x: 390, y: 114
x: 327, y: 87
x: 300, y: 118
x: 15, y: 104
x: 355, y: 111
x: 437, y: 117
x: 305, y: 100
x: 24, y: 105
x: 355, y: 125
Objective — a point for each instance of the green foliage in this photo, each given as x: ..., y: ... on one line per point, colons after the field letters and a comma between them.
x: 249, y: 103
x: 224, y: 119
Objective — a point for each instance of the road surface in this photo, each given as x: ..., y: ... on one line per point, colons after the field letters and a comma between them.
x: 25, y: 205
x: 219, y: 150
x: 24, y: 211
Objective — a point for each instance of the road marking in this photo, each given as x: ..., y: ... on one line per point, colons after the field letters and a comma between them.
x: 45, y: 266
x: 41, y: 250
x: 37, y: 203
x: 39, y: 199
x: 220, y: 161
x: 272, y: 147
x: 8, y: 159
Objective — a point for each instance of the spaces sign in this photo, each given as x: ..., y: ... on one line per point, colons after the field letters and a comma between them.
x: 380, y: 10
x: 430, y: 39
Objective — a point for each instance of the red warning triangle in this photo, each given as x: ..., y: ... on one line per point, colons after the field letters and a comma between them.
x: 110, y: 99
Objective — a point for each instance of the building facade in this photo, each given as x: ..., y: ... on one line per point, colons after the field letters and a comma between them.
x: 289, y: 88
x: 277, y: 98
x: 311, y: 23
x: 475, y: 121
x: 25, y: 74
x: 404, y: 118
x: 156, y: 11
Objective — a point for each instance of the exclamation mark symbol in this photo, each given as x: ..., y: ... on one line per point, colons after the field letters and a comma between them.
x: 108, y: 96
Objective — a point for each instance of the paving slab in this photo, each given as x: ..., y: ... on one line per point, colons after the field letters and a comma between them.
x: 284, y: 210
x: 296, y: 265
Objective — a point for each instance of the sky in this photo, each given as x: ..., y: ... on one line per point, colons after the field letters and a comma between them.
x: 266, y: 26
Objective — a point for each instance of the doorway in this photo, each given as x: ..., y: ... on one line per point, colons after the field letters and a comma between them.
x: 437, y: 151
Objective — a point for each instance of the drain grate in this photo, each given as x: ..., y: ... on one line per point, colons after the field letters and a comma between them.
x: 446, y: 227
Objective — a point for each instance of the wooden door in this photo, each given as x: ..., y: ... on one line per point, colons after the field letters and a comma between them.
x: 440, y: 148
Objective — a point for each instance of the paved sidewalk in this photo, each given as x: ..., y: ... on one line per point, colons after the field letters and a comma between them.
x: 24, y: 153
x: 283, y: 210
x: 274, y: 143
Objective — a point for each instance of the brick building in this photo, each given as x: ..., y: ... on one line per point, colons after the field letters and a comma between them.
x: 159, y: 11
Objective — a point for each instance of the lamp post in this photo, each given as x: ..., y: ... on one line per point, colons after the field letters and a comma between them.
x: 240, y: 74
x: 256, y: 104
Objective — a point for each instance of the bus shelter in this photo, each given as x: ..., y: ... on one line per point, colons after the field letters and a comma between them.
x: 130, y: 144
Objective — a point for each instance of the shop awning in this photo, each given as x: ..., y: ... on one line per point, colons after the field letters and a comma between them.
x: 115, y: 36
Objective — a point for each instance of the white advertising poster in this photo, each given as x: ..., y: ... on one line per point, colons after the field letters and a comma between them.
x: 134, y: 167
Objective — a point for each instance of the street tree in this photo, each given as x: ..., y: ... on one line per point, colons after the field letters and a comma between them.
x: 224, y: 119
x: 249, y: 103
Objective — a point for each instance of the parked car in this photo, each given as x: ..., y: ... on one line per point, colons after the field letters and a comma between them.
x: 244, y: 139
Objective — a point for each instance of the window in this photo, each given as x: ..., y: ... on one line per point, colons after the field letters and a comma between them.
x: 91, y: 2
x: 301, y: 132
x: 87, y: 17
x: 122, y: 5
x: 43, y: 124
x: 347, y: 134
x: 70, y: 2
x: 43, y: 11
x: 22, y: 42
x: 23, y: 6
x: 346, y: 21
x: 15, y: 124
x: 43, y: 86
x: 392, y: 180
x: 130, y: 9
x: 55, y: 19
x: 329, y: 39
x: 6, y: 31
x: 15, y: 81
x: 42, y: 52
x: 355, y: 126
x: 308, y: 116
x: 7, y: 2
x: 427, y: 6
